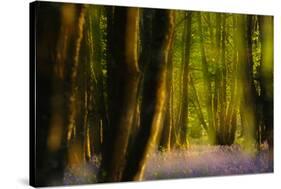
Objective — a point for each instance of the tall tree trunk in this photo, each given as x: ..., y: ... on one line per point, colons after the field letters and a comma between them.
x: 248, y: 102
x: 266, y: 34
x: 75, y: 141
x: 183, y: 120
x: 231, y: 114
x: 63, y: 38
x: 50, y: 50
x: 124, y: 98
x: 165, y: 140
x: 207, y: 84
x: 98, y: 117
x: 154, y: 95
x: 223, y: 103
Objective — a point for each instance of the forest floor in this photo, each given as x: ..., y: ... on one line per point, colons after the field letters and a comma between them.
x: 196, y: 161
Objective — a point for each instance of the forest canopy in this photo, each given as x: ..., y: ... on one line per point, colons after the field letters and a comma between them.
x: 115, y: 85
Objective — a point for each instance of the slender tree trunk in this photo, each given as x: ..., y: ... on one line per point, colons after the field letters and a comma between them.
x: 197, y: 105
x: 248, y: 96
x: 183, y: 120
x: 223, y: 103
x: 165, y: 140
x: 207, y: 84
x: 231, y: 114
x: 216, y: 97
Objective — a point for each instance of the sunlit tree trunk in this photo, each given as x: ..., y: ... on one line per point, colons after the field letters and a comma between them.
x: 165, y: 140
x: 154, y: 95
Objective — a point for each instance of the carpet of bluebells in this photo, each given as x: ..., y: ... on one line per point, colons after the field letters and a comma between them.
x: 197, y: 161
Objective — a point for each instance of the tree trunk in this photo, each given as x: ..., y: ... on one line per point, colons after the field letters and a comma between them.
x: 266, y: 34
x: 75, y: 134
x: 165, y: 140
x: 197, y: 105
x: 154, y: 95
x: 231, y: 114
x: 62, y: 38
x: 207, y: 84
x: 183, y: 120
x: 124, y: 97
x: 248, y: 96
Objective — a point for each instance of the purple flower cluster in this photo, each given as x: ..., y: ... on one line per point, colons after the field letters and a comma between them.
x: 196, y: 161
x: 199, y: 161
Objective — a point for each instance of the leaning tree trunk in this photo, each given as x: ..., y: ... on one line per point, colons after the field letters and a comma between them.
x: 154, y: 95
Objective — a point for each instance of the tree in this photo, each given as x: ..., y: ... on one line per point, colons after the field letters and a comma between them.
x: 266, y: 33
x: 123, y: 99
x: 245, y: 69
x: 154, y: 94
x: 207, y: 84
x: 183, y: 116
x: 63, y: 37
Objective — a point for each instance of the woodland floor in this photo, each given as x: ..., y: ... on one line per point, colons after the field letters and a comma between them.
x: 197, y: 161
